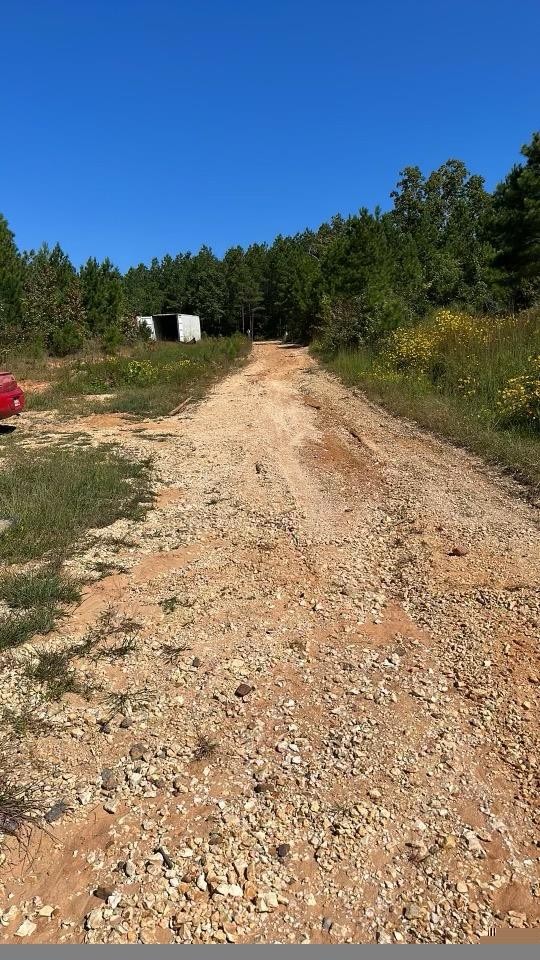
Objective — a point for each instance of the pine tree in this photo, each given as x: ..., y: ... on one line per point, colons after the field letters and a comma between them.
x: 206, y: 291
x: 53, y: 313
x: 102, y: 295
x: 515, y: 225
x: 11, y: 281
x: 243, y: 292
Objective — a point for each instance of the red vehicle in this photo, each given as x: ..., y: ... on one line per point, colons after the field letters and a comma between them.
x: 11, y: 396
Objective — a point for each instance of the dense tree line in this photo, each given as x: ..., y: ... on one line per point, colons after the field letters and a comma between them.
x: 446, y: 241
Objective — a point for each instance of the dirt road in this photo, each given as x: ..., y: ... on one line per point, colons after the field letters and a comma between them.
x: 331, y: 733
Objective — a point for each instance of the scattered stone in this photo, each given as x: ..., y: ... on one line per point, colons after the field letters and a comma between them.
x: 95, y: 919
x: 26, y: 929
x: 46, y: 911
x: 473, y: 844
x: 109, y: 780
x: 103, y: 893
x: 364, y: 728
x: 458, y: 551
x: 412, y: 911
x: 56, y: 812
x: 229, y: 890
x: 283, y: 850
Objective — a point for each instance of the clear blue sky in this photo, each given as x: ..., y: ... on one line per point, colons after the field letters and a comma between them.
x: 132, y: 128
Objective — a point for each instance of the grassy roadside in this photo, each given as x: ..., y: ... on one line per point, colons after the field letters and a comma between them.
x: 472, y: 381
x: 149, y: 379
x: 53, y: 497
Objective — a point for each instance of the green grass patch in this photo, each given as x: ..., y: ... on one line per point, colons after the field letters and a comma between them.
x: 16, y: 629
x: 39, y: 588
x: 57, y: 494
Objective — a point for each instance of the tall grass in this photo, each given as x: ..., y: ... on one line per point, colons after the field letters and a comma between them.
x: 473, y: 380
x: 149, y: 379
x: 54, y: 496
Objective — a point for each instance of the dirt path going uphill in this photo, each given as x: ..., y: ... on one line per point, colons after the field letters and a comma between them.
x: 336, y: 732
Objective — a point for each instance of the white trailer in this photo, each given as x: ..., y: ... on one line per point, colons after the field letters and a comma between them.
x: 179, y: 327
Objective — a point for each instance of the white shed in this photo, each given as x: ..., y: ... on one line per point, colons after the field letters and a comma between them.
x: 182, y: 327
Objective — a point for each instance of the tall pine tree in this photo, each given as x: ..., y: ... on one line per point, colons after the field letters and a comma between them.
x: 515, y: 225
x: 11, y: 281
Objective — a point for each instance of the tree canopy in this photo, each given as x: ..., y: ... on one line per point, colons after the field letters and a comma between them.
x: 445, y: 241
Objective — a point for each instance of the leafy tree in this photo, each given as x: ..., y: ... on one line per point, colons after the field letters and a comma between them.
x: 142, y: 289
x: 515, y: 225
x: 362, y: 267
x: 445, y: 217
x: 243, y: 293
x: 293, y: 291
x: 205, y: 290
x: 52, y: 309
x: 345, y: 323
x: 102, y: 294
x: 11, y: 280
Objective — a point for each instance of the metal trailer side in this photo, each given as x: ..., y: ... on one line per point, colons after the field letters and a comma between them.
x: 191, y: 327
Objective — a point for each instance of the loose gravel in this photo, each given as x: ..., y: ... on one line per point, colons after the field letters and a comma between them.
x: 314, y: 685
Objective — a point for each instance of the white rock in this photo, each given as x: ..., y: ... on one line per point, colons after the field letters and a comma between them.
x: 46, y: 911
x: 26, y: 929
x: 95, y: 920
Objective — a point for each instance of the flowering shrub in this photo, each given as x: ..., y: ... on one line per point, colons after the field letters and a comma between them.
x: 132, y: 373
x: 411, y: 348
x: 519, y: 399
x: 422, y: 347
x: 467, y: 387
x: 451, y: 324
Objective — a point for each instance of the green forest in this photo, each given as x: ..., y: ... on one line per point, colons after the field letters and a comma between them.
x: 445, y: 242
